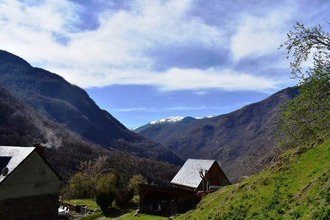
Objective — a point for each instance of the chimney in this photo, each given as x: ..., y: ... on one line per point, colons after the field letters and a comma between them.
x: 40, y: 149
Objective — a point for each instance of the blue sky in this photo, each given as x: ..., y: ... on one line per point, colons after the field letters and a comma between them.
x: 143, y: 60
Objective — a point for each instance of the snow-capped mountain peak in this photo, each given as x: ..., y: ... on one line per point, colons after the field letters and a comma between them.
x: 212, y: 116
x: 167, y: 120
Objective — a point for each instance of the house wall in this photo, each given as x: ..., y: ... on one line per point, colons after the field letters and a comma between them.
x: 172, y: 200
x: 32, y: 177
x: 216, y: 177
x: 30, y: 208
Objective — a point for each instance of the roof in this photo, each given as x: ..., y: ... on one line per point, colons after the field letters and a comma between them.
x: 11, y: 157
x: 188, y: 175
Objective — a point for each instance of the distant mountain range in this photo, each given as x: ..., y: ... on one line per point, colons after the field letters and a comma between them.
x: 71, y: 107
x: 242, y: 141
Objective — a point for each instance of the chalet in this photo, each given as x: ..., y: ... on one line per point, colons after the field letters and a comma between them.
x: 195, y: 175
x: 29, y: 186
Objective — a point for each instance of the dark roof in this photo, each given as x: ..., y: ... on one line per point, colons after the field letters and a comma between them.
x: 189, y: 175
x: 16, y: 156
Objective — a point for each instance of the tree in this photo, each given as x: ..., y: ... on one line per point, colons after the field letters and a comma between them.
x: 123, y: 196
x: 104, y: 199
x: 84, y: 183
x: 306, y: 119
x: 79, y: 187
x: 134, y: 182
x: 107, y: 182
x: 303, y: 40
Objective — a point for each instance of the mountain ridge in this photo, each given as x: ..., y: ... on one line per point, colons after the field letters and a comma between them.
x: 67, y: 104
x: 237, y: 139
x: 21, y: 125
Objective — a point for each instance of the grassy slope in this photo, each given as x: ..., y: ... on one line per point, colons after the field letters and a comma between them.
x: 295, y: 186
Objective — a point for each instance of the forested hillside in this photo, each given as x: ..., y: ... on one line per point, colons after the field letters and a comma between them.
x: 67, y: 104
x: 21, y: 125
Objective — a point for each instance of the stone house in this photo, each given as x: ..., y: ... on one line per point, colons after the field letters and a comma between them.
x: 29, y: 186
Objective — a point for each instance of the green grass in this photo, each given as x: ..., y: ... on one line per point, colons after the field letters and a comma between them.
x: 130, y: 216
x: 93, y: 216
x: 91, y: 204
x: 126, y: 213
x: 295, y: 186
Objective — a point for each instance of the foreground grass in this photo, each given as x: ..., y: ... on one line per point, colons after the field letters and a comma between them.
x: 126, y: 213
x: 91, y: 204
x: 122, y: 214
x: 130, y: 216
x: 296, y: 186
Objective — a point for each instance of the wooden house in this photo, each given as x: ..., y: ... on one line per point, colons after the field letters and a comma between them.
x: 29, y: 186
x: 194, y: 175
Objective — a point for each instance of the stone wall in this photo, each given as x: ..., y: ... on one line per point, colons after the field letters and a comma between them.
x: 30, y: 208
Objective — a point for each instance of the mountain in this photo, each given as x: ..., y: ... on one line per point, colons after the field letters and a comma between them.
x: 167, y: 120
x: 21, y: 125
x: 67, y: 104
x: 163, y: 121
x: 295, y: 186
x: 242, y: 141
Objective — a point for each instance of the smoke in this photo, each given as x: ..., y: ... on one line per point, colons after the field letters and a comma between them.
x: 53, y: 141
x: 39, y: 127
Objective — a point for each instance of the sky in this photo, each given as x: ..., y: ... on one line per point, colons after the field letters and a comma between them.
x: 144, y: 60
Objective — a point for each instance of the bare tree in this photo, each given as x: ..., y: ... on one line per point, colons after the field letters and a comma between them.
x: 93, y: 170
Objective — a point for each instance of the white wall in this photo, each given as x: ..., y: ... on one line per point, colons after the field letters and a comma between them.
x: 32, y: 177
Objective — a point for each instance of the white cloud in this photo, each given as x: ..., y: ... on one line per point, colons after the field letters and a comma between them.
x: 118, y: 43
x: 225, y: 108
x: 257, y: 36
x: 114, y: 53
x: 26, y: 30
x: 179, y: 79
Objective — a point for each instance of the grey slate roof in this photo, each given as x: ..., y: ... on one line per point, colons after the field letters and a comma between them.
x: 188, y: 175
x: 16, y: 154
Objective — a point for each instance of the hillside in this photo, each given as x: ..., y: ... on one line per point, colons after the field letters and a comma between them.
x: 21, y: 125
x: 242, y: 141
x: 295, y: 186
x: 58, y: 100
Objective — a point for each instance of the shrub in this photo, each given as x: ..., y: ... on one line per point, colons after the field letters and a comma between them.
x: 104, y: 199
x: 123, y: 196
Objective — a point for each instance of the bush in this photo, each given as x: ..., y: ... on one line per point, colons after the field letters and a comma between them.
x: 104, y: 199
x: 123, y: 196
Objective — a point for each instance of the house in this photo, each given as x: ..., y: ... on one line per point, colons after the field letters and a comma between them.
x: 194, y: 175
x: 29, y: 186
x: 165, y: 201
